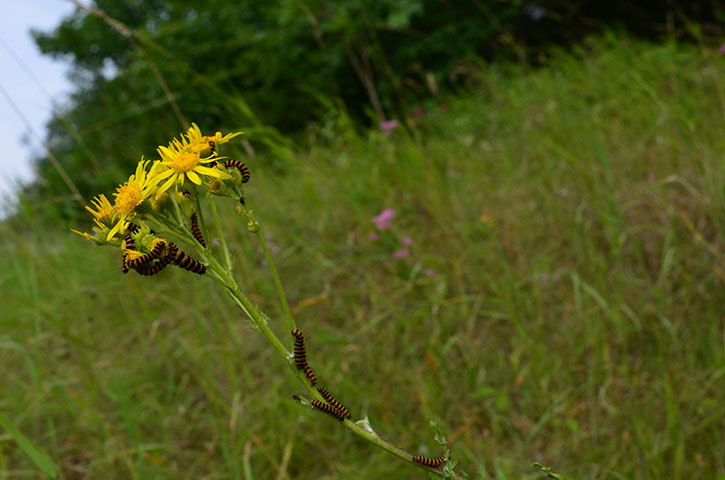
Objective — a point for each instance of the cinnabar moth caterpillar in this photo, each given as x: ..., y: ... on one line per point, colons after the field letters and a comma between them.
x: 300, y: 355
x: 130, y: 245
x: 130, y: 242
x: 212, y: 146
x: 196, y: 231
x: 187, y: 263
x: 311, y: 376
x: 331, y: 400
x: 139, y: 262
x: 133, y: 228
x: 164, y: 261
x: 329, y: 409
x: 430, y: 462
x: 239, y: 166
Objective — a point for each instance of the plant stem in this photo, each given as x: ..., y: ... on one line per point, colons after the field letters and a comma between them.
x: 278, y: 284
x: 227, y: 255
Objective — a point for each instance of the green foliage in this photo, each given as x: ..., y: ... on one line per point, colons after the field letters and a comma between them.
x: 573, y: 220
x: 547, y: 473
x: 36, y: 454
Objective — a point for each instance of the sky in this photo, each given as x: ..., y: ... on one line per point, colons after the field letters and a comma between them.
x: 30, y: 83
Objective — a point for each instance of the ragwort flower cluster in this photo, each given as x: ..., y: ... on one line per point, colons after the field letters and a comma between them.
x: 162, y: 198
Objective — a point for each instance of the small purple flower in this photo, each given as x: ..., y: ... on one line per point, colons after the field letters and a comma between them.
x: 388, y: 125
x: 430, y: 272
x: 385, y: 219
x: 402, y: 253
x: 418, y: 112
x: 721, y: 50
x: 373, y: 236
x: 407, y: 240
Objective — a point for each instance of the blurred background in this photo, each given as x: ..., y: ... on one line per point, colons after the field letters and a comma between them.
x: 503, y: 215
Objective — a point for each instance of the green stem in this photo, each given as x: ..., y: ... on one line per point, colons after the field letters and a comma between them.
x: 277, y: 282
x: 227, y: 255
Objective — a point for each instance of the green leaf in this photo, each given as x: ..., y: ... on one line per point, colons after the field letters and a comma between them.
x: 39, y: 457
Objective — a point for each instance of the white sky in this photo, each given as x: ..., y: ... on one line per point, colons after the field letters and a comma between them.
x: 32, y: 86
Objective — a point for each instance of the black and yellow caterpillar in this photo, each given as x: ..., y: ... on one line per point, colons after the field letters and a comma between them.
x: 239, y: 166
x: 329, y: 409
x: 331, y: 400
x: 187, y: 263
x: 196, y: 231
x: 430, y: 462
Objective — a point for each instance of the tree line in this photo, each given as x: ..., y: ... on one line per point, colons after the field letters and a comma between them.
x: 143, y: 69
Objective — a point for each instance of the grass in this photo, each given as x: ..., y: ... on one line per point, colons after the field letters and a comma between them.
x: 562, y: 301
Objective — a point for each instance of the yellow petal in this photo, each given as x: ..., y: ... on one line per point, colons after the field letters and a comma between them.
x: 164, y: 174
x: 212, y: 172
x: 194, y: 177
x: 165, y: 186
x: 228, y: 136
x: 115, y: 229
x: 164, y: 152
x: 83, y: 234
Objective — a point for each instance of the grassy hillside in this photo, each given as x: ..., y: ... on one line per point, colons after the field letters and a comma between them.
x: 561, y: 300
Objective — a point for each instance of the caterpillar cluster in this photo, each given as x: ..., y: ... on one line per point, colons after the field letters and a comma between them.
x: 430, y: 462
x: 334, y: 403
x: 329, y: 409
x: 196, y: 231
x: 301, y: 357
x: 144, y: 260
x: 164, y: 253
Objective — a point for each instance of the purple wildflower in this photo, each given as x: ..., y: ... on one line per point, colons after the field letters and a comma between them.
x: 388, y: 125
x: 407, y: 240
x: 402, y: 253
x: 721, y: 50
x: 373, y: 236
x: 430, y: 272
x: 385, y: 219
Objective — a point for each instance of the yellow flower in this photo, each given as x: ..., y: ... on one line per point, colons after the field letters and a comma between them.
x: 181, y: 160
x: 103, y: 213
x: 131, y: 194
x: 195, y: 137
x: 104, y: 210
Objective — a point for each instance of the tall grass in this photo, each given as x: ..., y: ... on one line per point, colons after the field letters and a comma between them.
x: 562, y: 300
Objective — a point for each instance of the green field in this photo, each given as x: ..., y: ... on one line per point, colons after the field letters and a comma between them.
x: 563, y: 298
